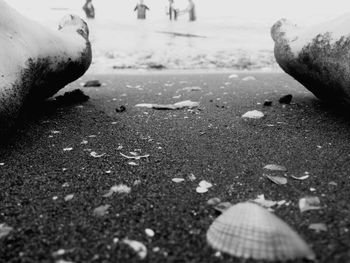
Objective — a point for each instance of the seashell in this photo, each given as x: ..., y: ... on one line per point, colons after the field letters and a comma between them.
x: 213, y: 201
x: 254, y: 114
x: 280, y: 180
x: 149, y: 232
x: 275, y: 167
x: 263, y: 202
x: 301, y: 178
x: 317, y: 56
x: 139, y: 248
x: 5, y: 230
x: 222, y: 207
x: 248, y: 78
x: 178, y: 180
x: 101, y: 210
x: 247, y: 230
x: 96, y: 155
x: 318, y: 227
x: 120, y: 189
x: 233, y: 76
x: 309, y: 203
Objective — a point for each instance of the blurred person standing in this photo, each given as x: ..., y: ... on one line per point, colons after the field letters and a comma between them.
x: 141, y: 10
x: 191, y: 9
x: 89, y: 9
x: 173, y: 12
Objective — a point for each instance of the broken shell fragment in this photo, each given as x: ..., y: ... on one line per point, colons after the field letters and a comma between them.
x: 222, y: 207
x: 233, y: 76
x: 250, y: 231
x: 301, y: 178
x: 120, y: 189
x: 203, y: 187
x: 254, y: 114
x: 139, y: 248
x: 96, y: 155
x: 318, y: 227
x: 205, y: 184
x: 263, y: 202
x: 275, y: 167
x: 214, y: 201
x: 280, y: 180
x: 309, y: 203
x: 101, y: 210
x: 178, y: 180
x: 5, y: 230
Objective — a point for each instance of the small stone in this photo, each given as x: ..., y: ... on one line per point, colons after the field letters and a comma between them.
x: 267, y: 103
x: 286, y: 99
x: 92, y: 83
x: 120, y: 109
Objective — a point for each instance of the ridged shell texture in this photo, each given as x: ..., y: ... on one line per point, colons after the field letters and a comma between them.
x: 250, y: 231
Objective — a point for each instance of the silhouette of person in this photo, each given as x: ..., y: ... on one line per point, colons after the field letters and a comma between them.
x: 89, y: 9
x: 173, y: 12
x: 141, y: 10
x: 191, y: 9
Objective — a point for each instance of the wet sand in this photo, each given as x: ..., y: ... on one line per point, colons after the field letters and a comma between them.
x: 49, y: 157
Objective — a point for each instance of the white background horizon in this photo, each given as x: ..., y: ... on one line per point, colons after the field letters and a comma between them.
x: 236, y: 33
x: 309, y: 11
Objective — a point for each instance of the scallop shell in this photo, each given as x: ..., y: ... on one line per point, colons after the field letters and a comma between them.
x: 250, y: 231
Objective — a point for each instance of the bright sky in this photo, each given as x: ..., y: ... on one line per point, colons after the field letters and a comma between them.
x: 269, y: 10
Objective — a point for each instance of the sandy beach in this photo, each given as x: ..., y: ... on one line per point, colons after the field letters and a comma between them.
x: 63, y: 159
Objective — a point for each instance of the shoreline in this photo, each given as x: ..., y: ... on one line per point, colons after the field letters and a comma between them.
x: 180, y: 71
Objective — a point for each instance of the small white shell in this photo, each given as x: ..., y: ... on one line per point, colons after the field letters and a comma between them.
x: 250, y: 231
x: 254, y: 114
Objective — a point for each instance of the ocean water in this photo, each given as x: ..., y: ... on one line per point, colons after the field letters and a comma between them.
x: 228, y: 34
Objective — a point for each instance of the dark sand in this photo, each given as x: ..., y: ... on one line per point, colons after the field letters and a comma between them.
x: 213, y: 143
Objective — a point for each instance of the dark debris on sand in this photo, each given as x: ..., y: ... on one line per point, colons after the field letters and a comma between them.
x: 72, y: 97
x: 120, y: 109
x: 287, y: 99
x: 92, y: 83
